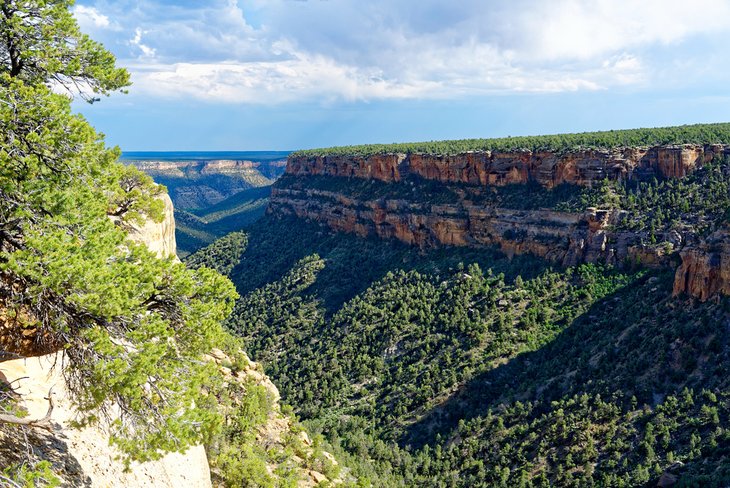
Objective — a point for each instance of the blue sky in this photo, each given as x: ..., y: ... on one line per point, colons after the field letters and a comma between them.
x: 290, y: 74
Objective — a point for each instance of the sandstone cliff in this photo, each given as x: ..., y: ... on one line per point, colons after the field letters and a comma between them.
x: 159, y: 237
x: 705, y: 269
x: 583, y: 167
x: 464, y: 219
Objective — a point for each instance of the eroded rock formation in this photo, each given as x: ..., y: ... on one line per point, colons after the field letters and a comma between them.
x: 549, y: 169
x: 705, y: 268
x: 567, y: 238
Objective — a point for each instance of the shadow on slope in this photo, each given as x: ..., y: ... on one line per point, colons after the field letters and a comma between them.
x: 638, y: 341
x: 353, y: 263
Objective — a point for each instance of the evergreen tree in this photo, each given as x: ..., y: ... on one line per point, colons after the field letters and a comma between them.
x: 133, y: 327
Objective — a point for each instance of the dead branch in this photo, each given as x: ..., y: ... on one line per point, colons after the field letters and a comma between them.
x: 43, y: 423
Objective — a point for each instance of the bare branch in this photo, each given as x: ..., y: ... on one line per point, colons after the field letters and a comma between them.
x: 42, y: 423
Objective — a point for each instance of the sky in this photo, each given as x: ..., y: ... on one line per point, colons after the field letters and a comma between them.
x: 295, y: 74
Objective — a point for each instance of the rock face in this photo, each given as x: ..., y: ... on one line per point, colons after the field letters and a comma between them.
x: 567, y: 238
x: 705, y: 269
x: 83, y: 457
x: 549, y: 169
x: 159, y: 237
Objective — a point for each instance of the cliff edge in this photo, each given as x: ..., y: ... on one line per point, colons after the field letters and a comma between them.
x: 430, y: 200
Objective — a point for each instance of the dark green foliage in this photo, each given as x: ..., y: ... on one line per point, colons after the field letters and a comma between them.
x: 195, y: 230
x: 529, y: 196
x: 685, y: 134
x: 421, y: 371
x: 275, y: 245
x: 223, y: 255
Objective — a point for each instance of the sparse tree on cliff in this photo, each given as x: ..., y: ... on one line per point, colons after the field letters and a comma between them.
x: 133, y: 327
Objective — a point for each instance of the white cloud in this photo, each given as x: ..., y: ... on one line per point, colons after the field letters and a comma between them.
x: 89, y: 17
x: 585, y: 28
x: 147, y: 51
x: 390, y: 49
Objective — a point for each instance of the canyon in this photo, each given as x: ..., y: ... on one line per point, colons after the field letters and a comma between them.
x: 568, y: 238
x: 200, y: 184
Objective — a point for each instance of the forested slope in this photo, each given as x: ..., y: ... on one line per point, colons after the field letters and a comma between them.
x: 459, y: 367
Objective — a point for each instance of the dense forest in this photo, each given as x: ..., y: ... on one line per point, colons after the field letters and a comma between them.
x: 685, y: 134
x: 459, y: 367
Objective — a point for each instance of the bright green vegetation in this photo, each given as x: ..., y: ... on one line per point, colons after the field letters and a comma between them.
x: 684, y: 134
x: 133, y: 327
x: 199, y: 228
x: 422, y: 371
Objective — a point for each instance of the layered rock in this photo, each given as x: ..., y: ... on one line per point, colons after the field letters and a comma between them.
x: 221, y: 166
x: 567, y: 238
x: 549, y: 169
x: 705, y: 268
x: 200, y: 184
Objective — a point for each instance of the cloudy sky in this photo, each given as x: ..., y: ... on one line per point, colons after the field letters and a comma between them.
x: 289, y: 74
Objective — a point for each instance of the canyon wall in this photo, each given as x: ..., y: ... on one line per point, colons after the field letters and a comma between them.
x: 201, y: 184
x: 220, y: 166
x: 568, y: 238
x: 549, y: 169
x: 159, y: 237
x: 705, y: 268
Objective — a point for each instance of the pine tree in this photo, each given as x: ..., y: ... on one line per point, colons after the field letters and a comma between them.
x: 133, y: 327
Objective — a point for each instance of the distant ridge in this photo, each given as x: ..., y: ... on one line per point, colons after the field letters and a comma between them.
x: 204, y: 155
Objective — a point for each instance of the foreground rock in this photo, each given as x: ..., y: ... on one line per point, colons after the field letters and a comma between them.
x: 83, y: 457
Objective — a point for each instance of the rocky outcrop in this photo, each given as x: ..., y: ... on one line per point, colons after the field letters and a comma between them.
x: 567, y: 238
x: 83, y: 456
x: 549, y: 169
x: 278, y: 431
x: 159, y: 237
x: 705, y: 268
x: 468, y: 219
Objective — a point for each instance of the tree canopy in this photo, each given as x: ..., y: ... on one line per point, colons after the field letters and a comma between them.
x: 41, y: 43
x: 133, y: 326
